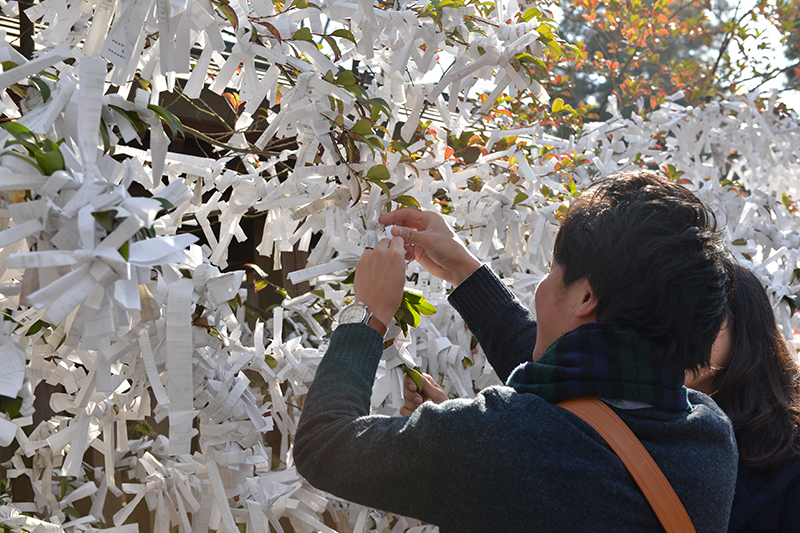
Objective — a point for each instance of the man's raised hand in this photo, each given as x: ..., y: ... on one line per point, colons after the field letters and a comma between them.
x: 380, y: 278
x: 432, y: 243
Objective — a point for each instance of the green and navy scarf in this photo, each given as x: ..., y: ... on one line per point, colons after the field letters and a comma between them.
x: 603, y: 360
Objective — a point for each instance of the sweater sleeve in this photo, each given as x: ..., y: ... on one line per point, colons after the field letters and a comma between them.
x: 505, y: 329
x: 398, y: 464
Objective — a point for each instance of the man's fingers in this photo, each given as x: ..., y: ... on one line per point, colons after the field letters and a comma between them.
x: 397, y: 245
x: 413, y: 218
x: 409, y: 384
x: 412, y: 236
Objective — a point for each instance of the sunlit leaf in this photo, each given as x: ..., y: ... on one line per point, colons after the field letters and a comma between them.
x: 345, y: 34
x: 426, y: 308
x: 415, y: 375
x: 303, y: 34
x: 378, y: 172
x: 407, y: 201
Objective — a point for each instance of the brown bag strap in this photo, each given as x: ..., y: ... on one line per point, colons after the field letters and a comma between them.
x: 640, y: 464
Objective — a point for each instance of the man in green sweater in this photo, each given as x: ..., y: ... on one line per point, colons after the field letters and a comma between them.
x: 634, y: 298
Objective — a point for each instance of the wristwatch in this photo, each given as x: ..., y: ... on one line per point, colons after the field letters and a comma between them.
x: 357, y: 313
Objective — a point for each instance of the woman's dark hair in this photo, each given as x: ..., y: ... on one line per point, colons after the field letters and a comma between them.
x: 758, y: 388
x: 650, y: 250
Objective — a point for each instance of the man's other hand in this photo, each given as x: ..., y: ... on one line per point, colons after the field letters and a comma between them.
x: 432, y: 243
x: 414, y: 398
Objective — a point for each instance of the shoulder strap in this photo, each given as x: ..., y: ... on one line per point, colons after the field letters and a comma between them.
x: 640, y: 464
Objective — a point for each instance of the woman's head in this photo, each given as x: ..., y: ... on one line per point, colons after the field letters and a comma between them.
x: 755, y: 380
x: 702, y: 379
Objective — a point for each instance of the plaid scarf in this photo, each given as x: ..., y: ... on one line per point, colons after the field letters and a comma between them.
x: 603, y: 360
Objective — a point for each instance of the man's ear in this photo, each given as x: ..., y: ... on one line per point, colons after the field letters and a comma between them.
x: 587, y: 306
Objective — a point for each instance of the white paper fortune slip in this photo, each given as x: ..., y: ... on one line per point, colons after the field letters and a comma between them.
x: 12, y: 368
x: 179, y: 366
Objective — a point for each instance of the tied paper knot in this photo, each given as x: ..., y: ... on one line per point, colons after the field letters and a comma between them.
x: 96, y: 269
x: 86, y: 284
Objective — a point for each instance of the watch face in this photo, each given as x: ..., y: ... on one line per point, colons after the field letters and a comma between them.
x: 353, y: 313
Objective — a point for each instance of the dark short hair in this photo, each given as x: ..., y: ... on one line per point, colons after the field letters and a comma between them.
x: 651, y: 252
x: 758, y: 388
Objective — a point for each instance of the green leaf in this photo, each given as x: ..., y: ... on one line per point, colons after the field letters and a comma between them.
x: 416, y: 376
x: 124, y: 250
x: 168, y: 118
x: 412, y: 298
x: 10, y: 406
x: 43, y: 88
x: 399, y: 316
x: 20, y: 132
x: 337, y: 53
x: 273, y: 30
x: 104, y: 135
x: 131, y: 117
x: 379, y: 173
x: 230, y: 14
x: 426, y: 308
x: 106, y: 219
x: 25, y: 158
x: 558, y: 105
x: 415, y: 316
x: 554, y: 47
x: 793, y: 303
x: 531, y: 13
x: 344, y: 34
x: 525, y: 58
x: 407, y: 201
x: 382, y: 186
x: 350, y: 279
x: 375, y: 142
x: 71, y: 511
x: 520, y: 197
x: 50, y: 160
x: 300, y: 4
x: 303, y: 34
x: 35, y: 328
x: 166, y: 205
x: 346, y: 78
x: 64, y: 483
x: 260, y: 284
x: 363, y: 127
